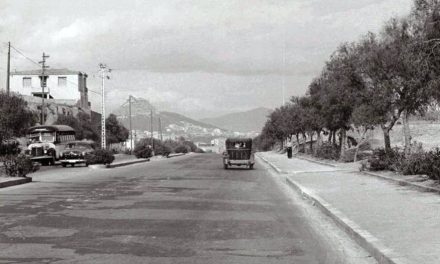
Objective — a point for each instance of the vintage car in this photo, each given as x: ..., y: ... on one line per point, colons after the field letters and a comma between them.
x: 238, y: 153
x: 75, y: 153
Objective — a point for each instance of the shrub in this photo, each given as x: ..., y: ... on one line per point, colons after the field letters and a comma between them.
x: 9, y: 147
x: 328, y: 151
x: 100, y: 156
x: 381, y: 160
x: 421, y: 163
x: 182, y: 149
x: 143, y: 152
x: 18, y: 165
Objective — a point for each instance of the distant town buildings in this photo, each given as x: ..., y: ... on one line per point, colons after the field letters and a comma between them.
x: 62, y: 84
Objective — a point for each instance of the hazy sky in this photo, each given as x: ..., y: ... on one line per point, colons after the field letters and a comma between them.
x: 200, y: 58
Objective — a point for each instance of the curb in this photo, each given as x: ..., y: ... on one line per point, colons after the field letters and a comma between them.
x: 121, y: 164
x: 412, y: 185
x: 316, y: 161
x: 15, y: 182
x: 272, y: 165
x: 371, y: 244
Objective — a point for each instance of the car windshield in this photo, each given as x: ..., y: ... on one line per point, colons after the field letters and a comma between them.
x: 47, y: 137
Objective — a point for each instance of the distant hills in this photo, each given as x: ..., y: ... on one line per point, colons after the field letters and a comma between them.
x: 174, y: 122
x: 248, y: 121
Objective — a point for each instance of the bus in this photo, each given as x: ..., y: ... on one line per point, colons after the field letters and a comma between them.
x: 45, y: 143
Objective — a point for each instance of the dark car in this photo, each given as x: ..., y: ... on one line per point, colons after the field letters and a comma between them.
x: 238, y: 153
x: 75, y: 153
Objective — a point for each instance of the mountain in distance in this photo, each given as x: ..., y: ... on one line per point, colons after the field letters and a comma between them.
x: 245, y: 122
x: 172, y: 122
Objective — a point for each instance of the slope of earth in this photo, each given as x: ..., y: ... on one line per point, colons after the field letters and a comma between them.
x: 248, y: 121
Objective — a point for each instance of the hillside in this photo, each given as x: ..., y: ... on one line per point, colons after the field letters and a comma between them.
x: 248, y: 121
x: 173, y: 122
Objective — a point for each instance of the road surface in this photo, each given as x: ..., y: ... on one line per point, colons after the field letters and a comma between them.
x: 181, y: 210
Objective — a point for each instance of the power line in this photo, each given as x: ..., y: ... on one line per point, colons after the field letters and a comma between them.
x: 26, y: 57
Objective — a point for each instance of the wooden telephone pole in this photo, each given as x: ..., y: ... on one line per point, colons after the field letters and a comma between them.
x: 43, y: 84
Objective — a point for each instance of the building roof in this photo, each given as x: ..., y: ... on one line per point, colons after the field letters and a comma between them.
x: 48, y: 72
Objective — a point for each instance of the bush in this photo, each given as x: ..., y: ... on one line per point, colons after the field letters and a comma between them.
x: 100, y: 156
x: 381, y: 160
x: 182, y: 149
x: 18, y: 165
x: 9, y: 147
x: 143, y: 152
x: 421, y: 163
x: 328, y: 151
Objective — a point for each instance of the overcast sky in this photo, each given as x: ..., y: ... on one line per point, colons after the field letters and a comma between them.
x: 200, y: 58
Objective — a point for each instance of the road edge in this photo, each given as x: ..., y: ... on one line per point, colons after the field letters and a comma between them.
x: 13, y: 182
x: 363, y: 238
x: 131, y: 162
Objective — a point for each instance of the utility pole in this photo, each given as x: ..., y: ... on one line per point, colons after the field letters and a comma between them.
x: 104, y: 74
x: 131, y: 129
x: 43, y: 83
x: 152, y: 131
x: 160, y: 130
x: 8, y: 69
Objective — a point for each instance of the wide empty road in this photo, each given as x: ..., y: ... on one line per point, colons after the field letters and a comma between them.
x: 180, y: 210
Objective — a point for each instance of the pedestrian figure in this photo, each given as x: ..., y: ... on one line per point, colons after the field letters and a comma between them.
x: 289, y: 149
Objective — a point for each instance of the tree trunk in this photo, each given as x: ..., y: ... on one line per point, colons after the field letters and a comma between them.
x: 304, y: 143
x: 343, y: 142
x: 297, y: 141
x: 330, y: 134
x: 334, y: 137
x: 406, y: 132
x: 311, y: 143
x: 387, y: 139
x: 318, y: 141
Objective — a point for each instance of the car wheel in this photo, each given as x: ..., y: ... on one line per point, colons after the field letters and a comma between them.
x: 87, y: 164
x: 251, y: 166
x: 72, y: 165
x: 225, y: 166
x: 64, y: 165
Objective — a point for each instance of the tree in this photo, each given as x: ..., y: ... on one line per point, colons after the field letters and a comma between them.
x: 82, y: 125
x: 15, y: 117
x: 338, y: 92
x: 397, y: 74
x: 115, y: 131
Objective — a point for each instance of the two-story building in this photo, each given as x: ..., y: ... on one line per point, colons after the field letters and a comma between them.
x: 62, y: 84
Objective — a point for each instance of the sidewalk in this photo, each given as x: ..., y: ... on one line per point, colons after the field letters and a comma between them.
x: 396, y: 224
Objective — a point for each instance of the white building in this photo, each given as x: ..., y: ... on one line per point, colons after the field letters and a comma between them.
x: 61, y: 84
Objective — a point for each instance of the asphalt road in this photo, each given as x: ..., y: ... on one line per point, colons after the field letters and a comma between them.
x: 181, y: 210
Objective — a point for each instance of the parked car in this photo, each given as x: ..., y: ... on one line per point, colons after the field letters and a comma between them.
x: 238, y: 153
x: 75, y: 153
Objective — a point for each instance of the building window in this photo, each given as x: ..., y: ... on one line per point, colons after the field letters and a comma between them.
x: 62, y: 81
x: 27, y: 82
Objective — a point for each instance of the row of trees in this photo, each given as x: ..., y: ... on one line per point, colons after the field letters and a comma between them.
x: 86, y: 128
x: 370, y: 83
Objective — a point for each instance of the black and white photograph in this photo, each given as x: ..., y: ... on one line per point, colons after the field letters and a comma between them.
x: 220, y: 131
